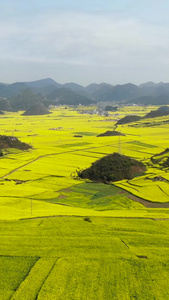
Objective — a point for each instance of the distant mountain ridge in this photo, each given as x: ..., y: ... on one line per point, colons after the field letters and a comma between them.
x: 67, y: 96
x: 48, y: 91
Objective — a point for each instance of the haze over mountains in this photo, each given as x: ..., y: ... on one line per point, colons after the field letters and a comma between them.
x: 21, y: 95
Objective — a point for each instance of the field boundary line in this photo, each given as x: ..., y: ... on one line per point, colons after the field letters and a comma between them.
x: 79, y: 216
x: 145, y: 202
x: 31, y: 285
x: 47, y: 277
x: 163, y: 190
x: 125, y: 244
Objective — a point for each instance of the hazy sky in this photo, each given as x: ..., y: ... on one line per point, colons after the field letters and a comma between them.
x: 113, y: 41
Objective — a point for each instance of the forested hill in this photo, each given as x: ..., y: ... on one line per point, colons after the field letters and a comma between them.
x: 113, y: 167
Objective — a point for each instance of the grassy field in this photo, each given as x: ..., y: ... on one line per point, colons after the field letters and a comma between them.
x: 65, y: 238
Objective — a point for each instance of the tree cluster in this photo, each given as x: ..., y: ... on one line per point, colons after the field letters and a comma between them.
x: 113, y: 167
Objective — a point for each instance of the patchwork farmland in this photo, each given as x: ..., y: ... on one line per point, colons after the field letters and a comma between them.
x: 67, y: 238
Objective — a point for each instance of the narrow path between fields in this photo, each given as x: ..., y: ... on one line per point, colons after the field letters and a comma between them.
x: 146, y: 203
x: 112, y: 217
x: 46, y: 155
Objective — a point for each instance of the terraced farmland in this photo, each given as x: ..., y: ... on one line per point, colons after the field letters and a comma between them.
x: 66, y: 238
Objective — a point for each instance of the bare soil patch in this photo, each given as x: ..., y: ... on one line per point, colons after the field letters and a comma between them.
x: 62, y: 197
x: 147, y: 203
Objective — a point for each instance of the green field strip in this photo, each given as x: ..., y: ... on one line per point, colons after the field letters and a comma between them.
x: 20, y: 167
x: 127, y: 187
x: 133, y: 184
x: 13, y: 270
x: 73, y: 279
x: 87, y: 155
x: 141, y: 144
x: 29, y: 288
x: 96, y: 196
x: 153, y: 193
x: 73, y: 145
x: 105, y: 278
x: 86, y: 133
x: 148, y: 242
x: 139, y: 151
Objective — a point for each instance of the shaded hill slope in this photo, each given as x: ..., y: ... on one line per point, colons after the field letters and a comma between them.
x: 128, y: 119
x: 111, y: 133
x: 5, y: 105
x: 150, y: 100
x: 37, y: 109
x: 108, y: 92
x: 161, y: 111
x: 67, y: 96
x: 12, y: 142
x: 26, y: 99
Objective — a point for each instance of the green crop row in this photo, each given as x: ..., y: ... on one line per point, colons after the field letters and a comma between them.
x: 29, y: 288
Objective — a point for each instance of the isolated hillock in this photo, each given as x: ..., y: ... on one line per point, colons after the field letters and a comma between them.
x: 161, y: 111
x: 37, y: 109
x: 111, y: 133
x: 113, y: 167
x: 12, y: 142
x: 128, y: 119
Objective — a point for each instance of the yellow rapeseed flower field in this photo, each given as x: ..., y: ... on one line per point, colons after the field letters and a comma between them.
x: 67, y: 238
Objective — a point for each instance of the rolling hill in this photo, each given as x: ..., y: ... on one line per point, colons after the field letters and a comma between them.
x: 71, y: 93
